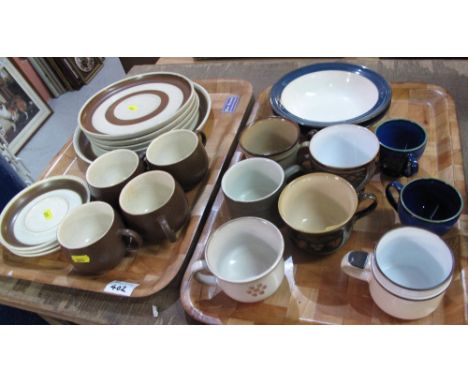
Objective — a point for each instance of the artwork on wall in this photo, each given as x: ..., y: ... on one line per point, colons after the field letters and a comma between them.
x: 85, y: 67
x: 22, y: 110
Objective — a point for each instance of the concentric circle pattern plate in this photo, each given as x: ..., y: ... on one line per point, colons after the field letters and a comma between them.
x: 29, y: 221
x: 37, y: 222
x: 136, y: 105
x: 321, y: 95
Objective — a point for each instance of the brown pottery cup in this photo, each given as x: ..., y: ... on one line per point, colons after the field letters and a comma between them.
x: 154, y: 205
x: 346, y: 150
x: 320, y: 210
x: 182, y: 154
x: 109, y: 173
x: 274, y: 138
x: 94, y: 238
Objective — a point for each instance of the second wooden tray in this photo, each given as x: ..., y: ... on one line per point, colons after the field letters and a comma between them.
x: 153, y: 267
x: 314, y: 289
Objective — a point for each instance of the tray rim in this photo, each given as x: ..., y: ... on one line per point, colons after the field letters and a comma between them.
x: 242, y: 86
x: 185, y: 299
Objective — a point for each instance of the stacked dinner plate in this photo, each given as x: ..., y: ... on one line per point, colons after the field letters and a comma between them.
x: 322, y: 95
x: 131, y: 113
x: 30, y: 220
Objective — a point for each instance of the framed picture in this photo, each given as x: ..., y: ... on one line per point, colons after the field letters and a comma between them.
x: 22, y: 110
x: 85, y: 67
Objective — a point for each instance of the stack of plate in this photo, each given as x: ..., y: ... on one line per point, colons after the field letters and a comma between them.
x: 322, y: 95
x: 30, y: 220
x: 131, y: 113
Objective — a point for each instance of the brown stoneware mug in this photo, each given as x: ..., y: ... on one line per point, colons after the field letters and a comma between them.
x: 274, y: 138
x: 182, y: 154
x: 154, y: 205
x: 109, y: 173
x: 320, y: 209
x: 94, y: 238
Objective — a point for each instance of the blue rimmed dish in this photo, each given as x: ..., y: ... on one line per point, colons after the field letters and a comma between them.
x: 325, y: 94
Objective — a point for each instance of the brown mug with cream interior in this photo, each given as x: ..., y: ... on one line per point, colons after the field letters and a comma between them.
x: 94, y: 238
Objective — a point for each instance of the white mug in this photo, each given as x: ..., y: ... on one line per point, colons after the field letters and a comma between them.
x: 245, y: 259
x: 408, y: 273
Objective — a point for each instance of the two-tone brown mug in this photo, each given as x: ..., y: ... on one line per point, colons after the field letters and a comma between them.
x: 321, y: 209
x: 182, y: 154
x: 94, y: 238
x: 274, y: 138
x: 109, y: 173
x: 346, y: 150
x: 154, y: 205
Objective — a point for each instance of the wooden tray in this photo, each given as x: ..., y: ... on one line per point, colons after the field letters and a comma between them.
x: 155, y: 266
x: 314, y: 289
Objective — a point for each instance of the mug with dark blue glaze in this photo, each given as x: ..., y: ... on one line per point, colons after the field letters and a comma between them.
x: 426, y: 203
x: 402, y: 143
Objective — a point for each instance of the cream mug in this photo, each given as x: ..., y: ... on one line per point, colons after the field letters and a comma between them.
x: 245, y: 259
x: 408, y: 273
x: 320, y: 209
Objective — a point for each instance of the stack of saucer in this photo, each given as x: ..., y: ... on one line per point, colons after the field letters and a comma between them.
x: 130, y: 113
x: 30, y: 220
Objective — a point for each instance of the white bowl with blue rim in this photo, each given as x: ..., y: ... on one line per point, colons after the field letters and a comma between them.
x: 325, y: 94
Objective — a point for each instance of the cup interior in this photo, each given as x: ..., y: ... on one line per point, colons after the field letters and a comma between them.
x: 112, y: 168
x: 269, y: 137
x: 252, y: 179
x: 317, y: 203
x: 85, y: 225
x: 244, y: 249
x: 147, y: 192
x: 414, y: 258
x: 172, y: 147
x: 401, y: 135
x: 432, y: 199
x: 344, y: 146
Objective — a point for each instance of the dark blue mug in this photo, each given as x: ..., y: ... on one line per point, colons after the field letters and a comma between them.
x: 426, y: 203
x: 402, y: 143
x: 10, y: 182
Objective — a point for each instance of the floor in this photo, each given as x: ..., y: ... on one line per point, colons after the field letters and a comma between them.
x: 40, y: 149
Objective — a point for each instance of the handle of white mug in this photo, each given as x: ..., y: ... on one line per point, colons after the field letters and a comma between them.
x: 199, y: 266
x: 357, y: 264
x: 168, y: 232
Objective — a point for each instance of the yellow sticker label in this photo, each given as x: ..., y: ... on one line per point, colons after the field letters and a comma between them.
x: 48, y: 215
x: 133, y: 107
x: 80, y: 258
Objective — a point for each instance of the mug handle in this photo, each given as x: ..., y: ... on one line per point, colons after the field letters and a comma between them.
x: 292, y: 170
x: 129, y: 237
x: 411, y: 166
x: 356, y: 264
x: 388, y: 193
x: 168, y: 231
x: 303, y: 152
x: 201, y: 137
x: 197, y: 267
x: 362, y: 197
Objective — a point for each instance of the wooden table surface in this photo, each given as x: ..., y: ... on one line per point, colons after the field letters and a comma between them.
x: 86, y: 307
